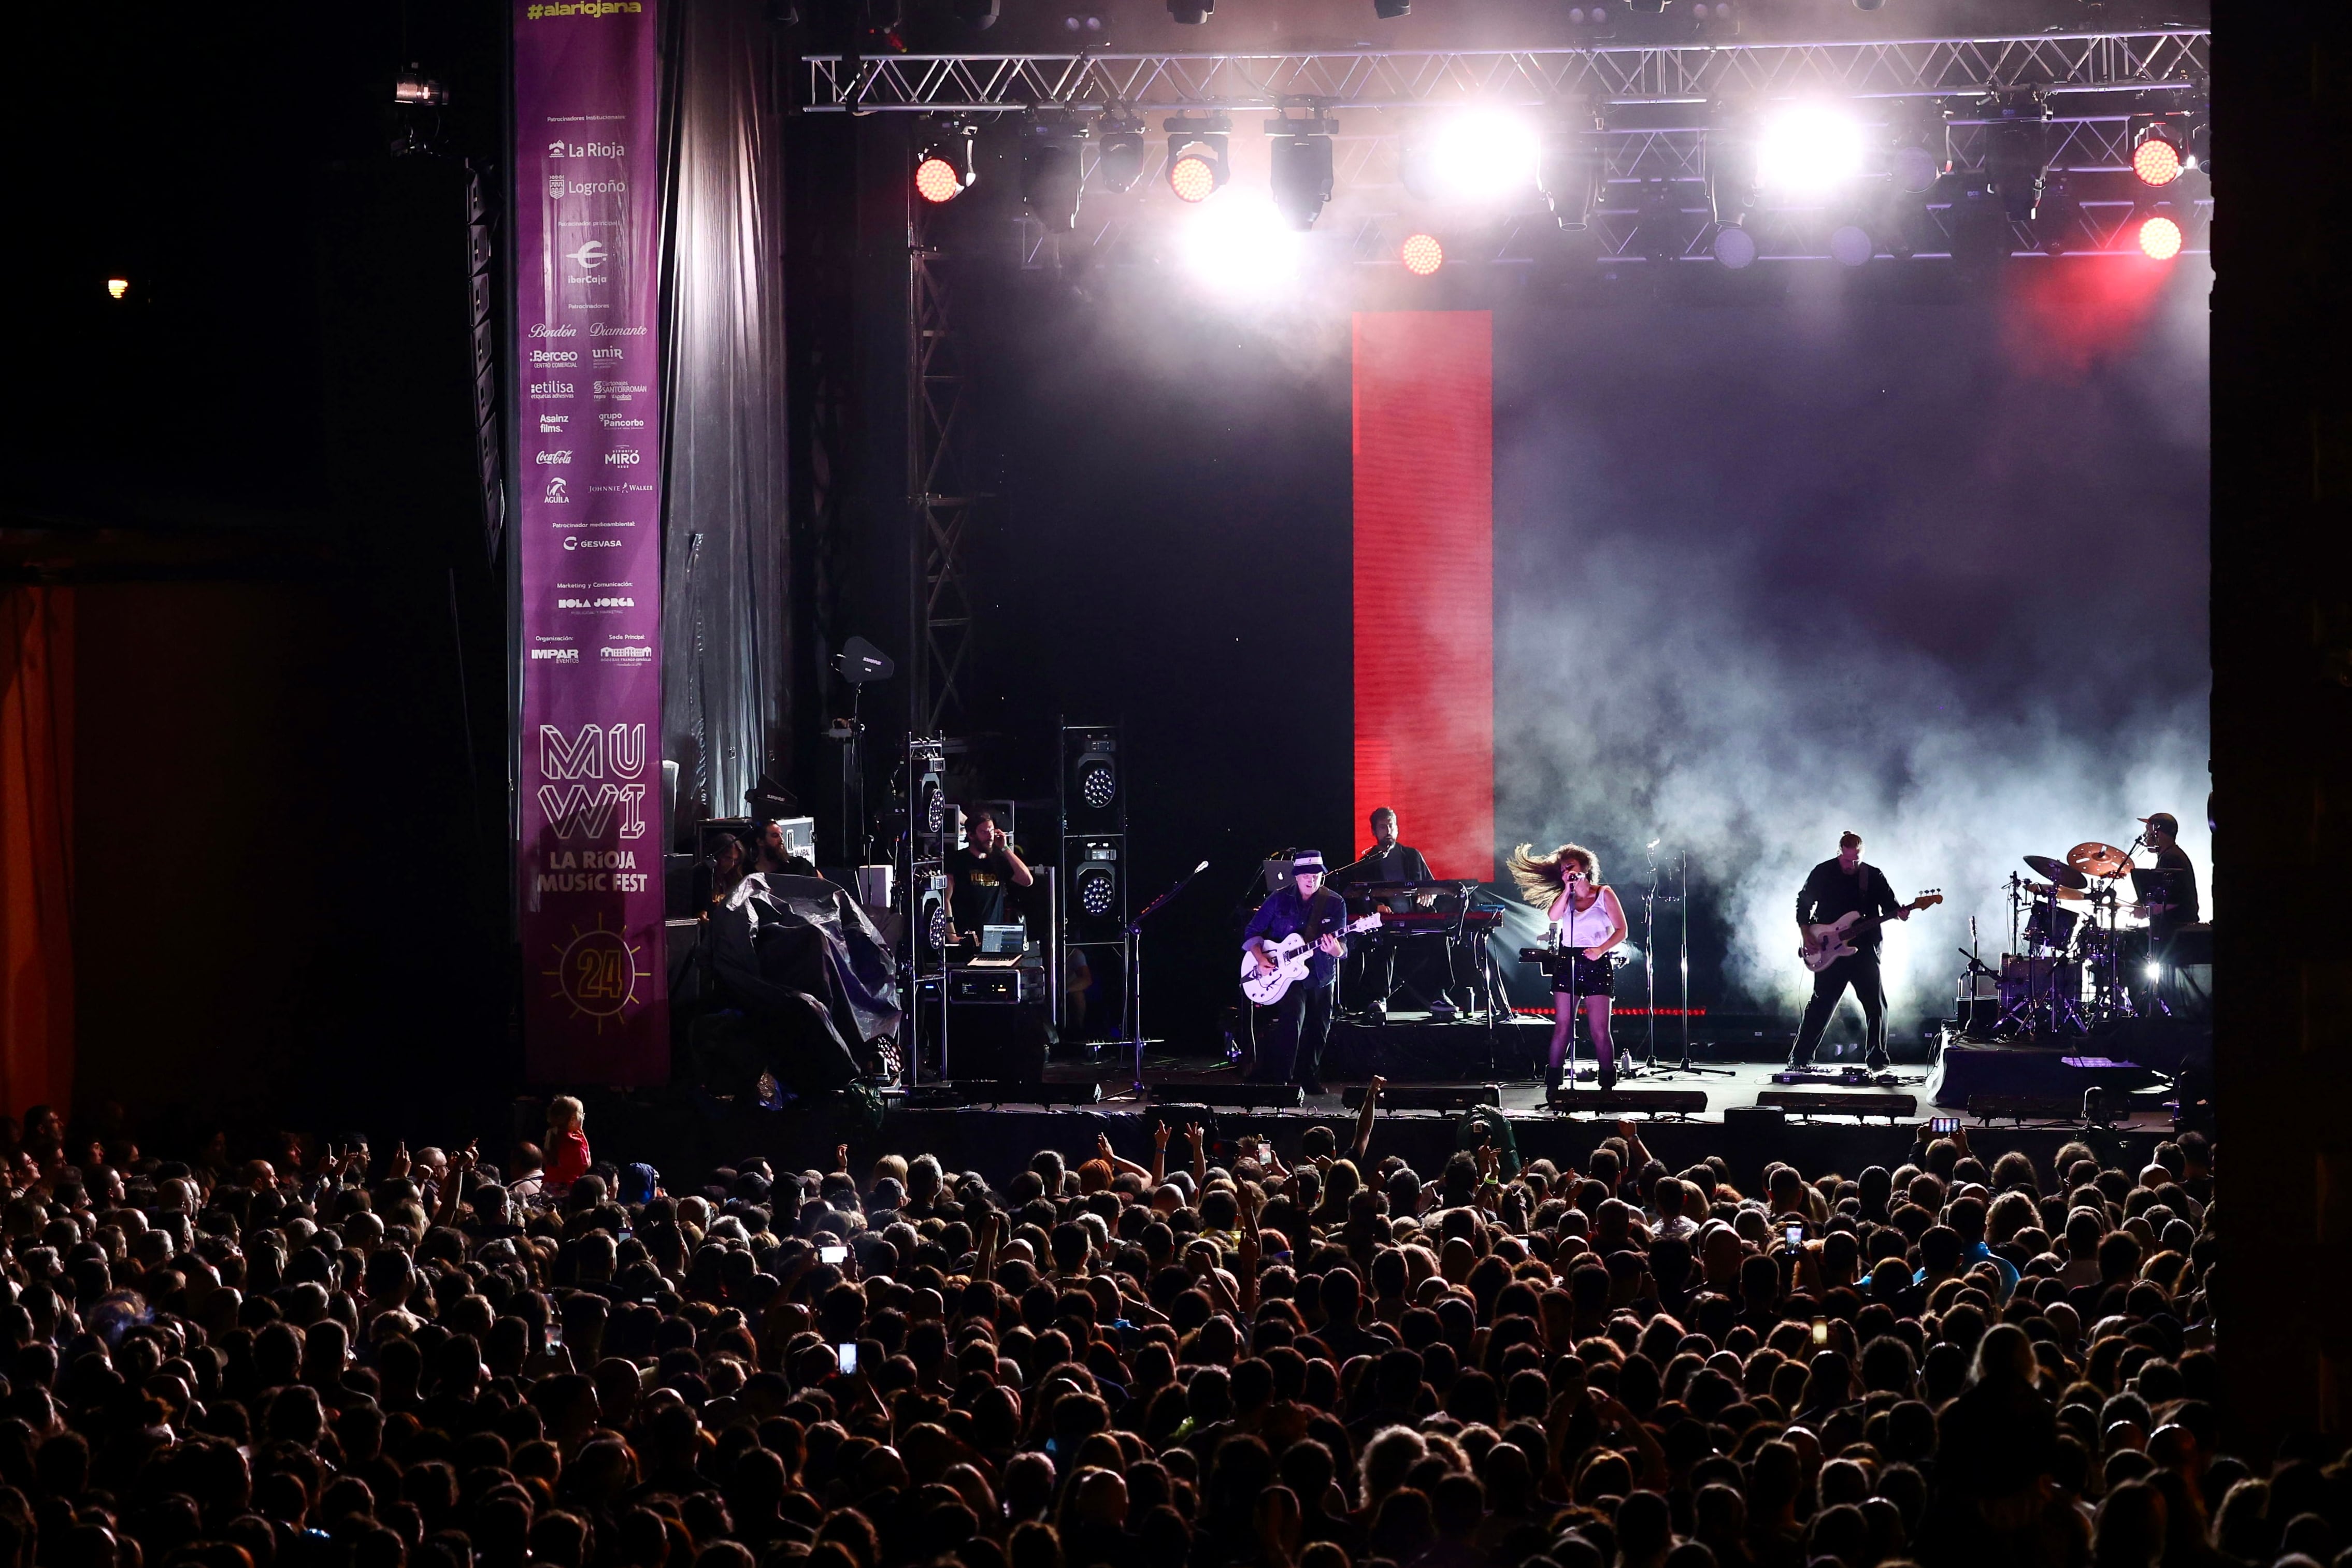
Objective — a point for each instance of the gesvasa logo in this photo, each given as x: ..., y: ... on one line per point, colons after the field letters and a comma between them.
x: 583, y: 8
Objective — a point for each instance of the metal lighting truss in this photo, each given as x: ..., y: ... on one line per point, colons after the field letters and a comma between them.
x: 1410, y: 78
x: 940, y: 489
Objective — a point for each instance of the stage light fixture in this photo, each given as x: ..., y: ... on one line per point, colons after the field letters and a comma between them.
x: 1809, y: 148
x: 935, y: 918
x: 1049, y: 171
x: 414, y: 89
x: 1850, y: 246
x: 2159, y: 237
x: 118, y: 288
x: 1190, y: 12
x: 1094, y: 881
x: 1094, y: 773
x: 1389, y: 10
x: 1482, y: 154
x: 1734, y: 247
x: 1571, y: 165
x: 2017, y: 151
x: 1422, y: 255
x: 1729, y: 151
x: 1197, y: 166
x: 945, y: 168
x: 1302, y: 167
x: 2156, y: 155
x: 2153, y: 971
x: 1124, y: 150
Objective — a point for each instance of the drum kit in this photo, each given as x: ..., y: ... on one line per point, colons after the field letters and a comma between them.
x: 2073, y: 934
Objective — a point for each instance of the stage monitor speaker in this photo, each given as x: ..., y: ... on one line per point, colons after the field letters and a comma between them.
x: 1615, y: 1101
x: 1830, y: 1102
x: 997, y: 1042
x: 1428, y: 1096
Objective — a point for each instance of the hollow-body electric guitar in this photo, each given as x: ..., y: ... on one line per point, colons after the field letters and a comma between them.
x: 1290, y: 955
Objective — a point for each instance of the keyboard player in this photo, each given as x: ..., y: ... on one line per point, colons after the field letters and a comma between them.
x: 1389, y: 861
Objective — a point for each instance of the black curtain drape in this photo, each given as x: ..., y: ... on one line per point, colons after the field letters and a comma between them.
x: 725, y: 627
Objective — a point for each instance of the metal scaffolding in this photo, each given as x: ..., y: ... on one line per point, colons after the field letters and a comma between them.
x: 2174, y: 59
x: 940, y: 489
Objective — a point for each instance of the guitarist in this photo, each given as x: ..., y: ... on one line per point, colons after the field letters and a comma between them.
x: 1302, y: 1019
x: 1846, y: 886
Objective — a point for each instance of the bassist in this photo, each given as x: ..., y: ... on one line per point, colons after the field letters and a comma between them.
x: 1837, y: 887
x: 1302, y: 1019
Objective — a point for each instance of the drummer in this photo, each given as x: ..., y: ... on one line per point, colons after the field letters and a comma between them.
x: 2168, y: 889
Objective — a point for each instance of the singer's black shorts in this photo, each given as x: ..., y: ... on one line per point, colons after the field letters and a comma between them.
x: 1573, y: 972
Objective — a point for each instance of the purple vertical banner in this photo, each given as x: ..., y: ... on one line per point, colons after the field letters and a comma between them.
x: 587, y: 351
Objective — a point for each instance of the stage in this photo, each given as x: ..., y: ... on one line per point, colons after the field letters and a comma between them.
x: 1833, y: 1121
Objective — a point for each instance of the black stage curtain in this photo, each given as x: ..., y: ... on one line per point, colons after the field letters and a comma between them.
x: 724, y: 607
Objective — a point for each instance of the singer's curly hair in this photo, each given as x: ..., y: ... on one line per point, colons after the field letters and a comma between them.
x: 1540, y: 876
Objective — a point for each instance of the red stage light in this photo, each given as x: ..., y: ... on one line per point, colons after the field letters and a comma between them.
x: 1422, y: 255
x: 2156, y: 162
x: 1193, y: 177
x: 2159, y: 238
x: 937, y: 180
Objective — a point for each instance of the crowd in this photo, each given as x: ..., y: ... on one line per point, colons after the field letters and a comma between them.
x: 362, y: 1360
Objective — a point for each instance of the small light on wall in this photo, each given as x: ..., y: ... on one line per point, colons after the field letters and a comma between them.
x: 116, y: 288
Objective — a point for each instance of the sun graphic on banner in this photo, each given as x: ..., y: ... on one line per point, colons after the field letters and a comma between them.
x: 597, y: 973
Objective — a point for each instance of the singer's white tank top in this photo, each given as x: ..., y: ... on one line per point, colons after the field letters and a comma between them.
x: 1586, y: 927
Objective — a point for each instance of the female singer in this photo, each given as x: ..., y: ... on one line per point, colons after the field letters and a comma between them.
x: 1565, y: 885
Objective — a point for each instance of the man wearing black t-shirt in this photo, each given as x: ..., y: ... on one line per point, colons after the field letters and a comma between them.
x: 1837, y: 887
x: 979, y: 876
x: 2171, y: 884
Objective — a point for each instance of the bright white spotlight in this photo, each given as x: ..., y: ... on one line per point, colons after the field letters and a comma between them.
x: 1809, y: 148
x: 2154, y: 971
x: 1483, y: 154
x: 1239, y: 243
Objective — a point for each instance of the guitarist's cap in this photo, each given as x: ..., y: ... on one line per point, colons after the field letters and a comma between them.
x: 1306, y: 861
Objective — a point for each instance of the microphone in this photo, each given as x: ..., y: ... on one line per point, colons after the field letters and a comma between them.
x: 1201, y: 867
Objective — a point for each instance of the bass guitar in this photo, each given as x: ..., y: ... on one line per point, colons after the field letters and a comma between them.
x: 1290, y: 955
x: 1842, y: 937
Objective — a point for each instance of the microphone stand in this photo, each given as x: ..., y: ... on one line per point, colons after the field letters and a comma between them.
x: 1682, y: 877
x: 1135, y: 942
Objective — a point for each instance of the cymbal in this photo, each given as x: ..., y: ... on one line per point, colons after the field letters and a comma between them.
x: 2038, y: 890
x: 2096, y: 859
x: 2058, y: 872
